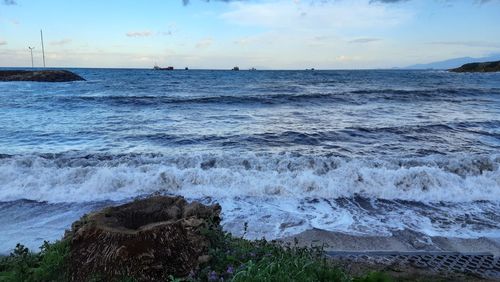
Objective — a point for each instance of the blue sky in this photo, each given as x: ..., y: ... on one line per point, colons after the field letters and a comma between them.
x: 274, y: 34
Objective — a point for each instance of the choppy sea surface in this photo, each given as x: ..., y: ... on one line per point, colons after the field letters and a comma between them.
x: 360, y: 152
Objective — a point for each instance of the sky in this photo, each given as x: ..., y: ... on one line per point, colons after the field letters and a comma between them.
x: 274, y: 34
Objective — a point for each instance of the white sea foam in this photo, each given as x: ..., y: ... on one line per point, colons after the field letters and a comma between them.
x: 278, y: 195
x: 68, y: 178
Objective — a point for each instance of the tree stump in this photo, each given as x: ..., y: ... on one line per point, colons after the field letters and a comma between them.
x: 147, y: 240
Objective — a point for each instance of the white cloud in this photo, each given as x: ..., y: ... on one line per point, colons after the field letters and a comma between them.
x: 145, y: 33
x: 364, y: 40
x: 322, y: 34
x: 13, y: 21
x: 3, y: 42
x: 465, y: 43
x: 249, y: 40
x: 317, y: 16
x: 171, y: 29
x: 148, y: 33
x: 61, y: 42
x: 204, y: 43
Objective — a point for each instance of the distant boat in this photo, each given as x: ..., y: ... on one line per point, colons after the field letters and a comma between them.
x: 186, y: 68
x: 160, y: 68
x: 252, y: 69
x: 236, y: 68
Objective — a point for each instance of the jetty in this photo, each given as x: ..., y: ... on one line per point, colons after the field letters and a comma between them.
x: 39, y: 75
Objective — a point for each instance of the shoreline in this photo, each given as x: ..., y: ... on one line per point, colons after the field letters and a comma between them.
x: 409, y: 255
x: 404, y: 241
x: 400, y: 241
x: 402, y: 256
x: 131, y: 229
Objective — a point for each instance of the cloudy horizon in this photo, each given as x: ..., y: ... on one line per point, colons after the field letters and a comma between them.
x: 277, y: 34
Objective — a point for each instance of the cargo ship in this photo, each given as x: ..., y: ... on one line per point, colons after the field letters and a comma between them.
x: 156, y: 67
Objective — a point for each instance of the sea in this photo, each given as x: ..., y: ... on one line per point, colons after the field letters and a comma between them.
x: 361, y: 152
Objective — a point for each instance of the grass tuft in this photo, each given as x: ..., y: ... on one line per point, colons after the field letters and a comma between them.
x: 237, y: 259
x: 50, y: 264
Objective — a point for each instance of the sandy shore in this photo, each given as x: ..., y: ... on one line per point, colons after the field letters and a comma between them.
x: 400, y: 241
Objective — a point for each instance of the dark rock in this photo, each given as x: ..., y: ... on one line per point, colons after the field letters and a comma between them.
x: 39, y: 76
x: 147, y: 240
x: 479, y: 67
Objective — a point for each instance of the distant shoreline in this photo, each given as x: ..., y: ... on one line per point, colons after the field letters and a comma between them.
x: 479, y: 67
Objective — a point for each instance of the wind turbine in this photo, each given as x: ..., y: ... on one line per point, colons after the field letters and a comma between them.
x: 31, y: 50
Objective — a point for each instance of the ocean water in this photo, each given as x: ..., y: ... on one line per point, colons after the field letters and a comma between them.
x: 360, y: 152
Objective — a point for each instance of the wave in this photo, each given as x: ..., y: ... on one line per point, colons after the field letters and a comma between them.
x: 478, y: 127
x: 117, y: 100
x: 267, y: 97
x: 73, y: 177
x: 415, y: 139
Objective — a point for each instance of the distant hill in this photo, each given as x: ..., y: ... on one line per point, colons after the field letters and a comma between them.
x: 479, y: 67
x: 454, y: 63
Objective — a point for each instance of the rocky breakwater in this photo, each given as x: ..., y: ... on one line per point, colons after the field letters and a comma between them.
x: 39, y: 76
x: 147, y: 240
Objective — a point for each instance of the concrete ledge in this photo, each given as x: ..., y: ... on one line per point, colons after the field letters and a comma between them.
x: 484, y: 265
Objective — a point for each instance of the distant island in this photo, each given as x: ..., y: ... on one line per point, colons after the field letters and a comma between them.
x: 479, y: 67
x: 39, y: 76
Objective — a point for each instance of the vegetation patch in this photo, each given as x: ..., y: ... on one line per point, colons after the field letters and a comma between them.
x: 50, y: 264
x: 237, y: 259
x: 218, y: 256
x: 230, y: 259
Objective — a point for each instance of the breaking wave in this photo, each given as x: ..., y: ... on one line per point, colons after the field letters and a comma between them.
x: 72, y: 177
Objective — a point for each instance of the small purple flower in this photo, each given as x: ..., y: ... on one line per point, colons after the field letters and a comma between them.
x: 213, y: 276
x: 252, y: 254
x: 230, y: 269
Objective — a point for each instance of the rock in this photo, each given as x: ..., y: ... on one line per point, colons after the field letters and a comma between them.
x: 147, y: 240
x: 39, y: 76
x: 479, y: 67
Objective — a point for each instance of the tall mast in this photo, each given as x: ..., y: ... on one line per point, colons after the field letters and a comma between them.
x: 43, y: 49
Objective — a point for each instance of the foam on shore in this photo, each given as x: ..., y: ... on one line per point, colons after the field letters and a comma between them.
x: 88, y: 178
x: 278, y: 195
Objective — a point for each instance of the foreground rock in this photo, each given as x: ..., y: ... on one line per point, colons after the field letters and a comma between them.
x: 39, y: 76
x: 479, y: 67
x: 147, y: 240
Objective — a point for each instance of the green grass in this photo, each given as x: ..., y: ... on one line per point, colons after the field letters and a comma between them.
x: 373, y: 277
x: 47, y: 265
x: 237, y: 259
x: 232, y: 259
x: 242, y: 260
